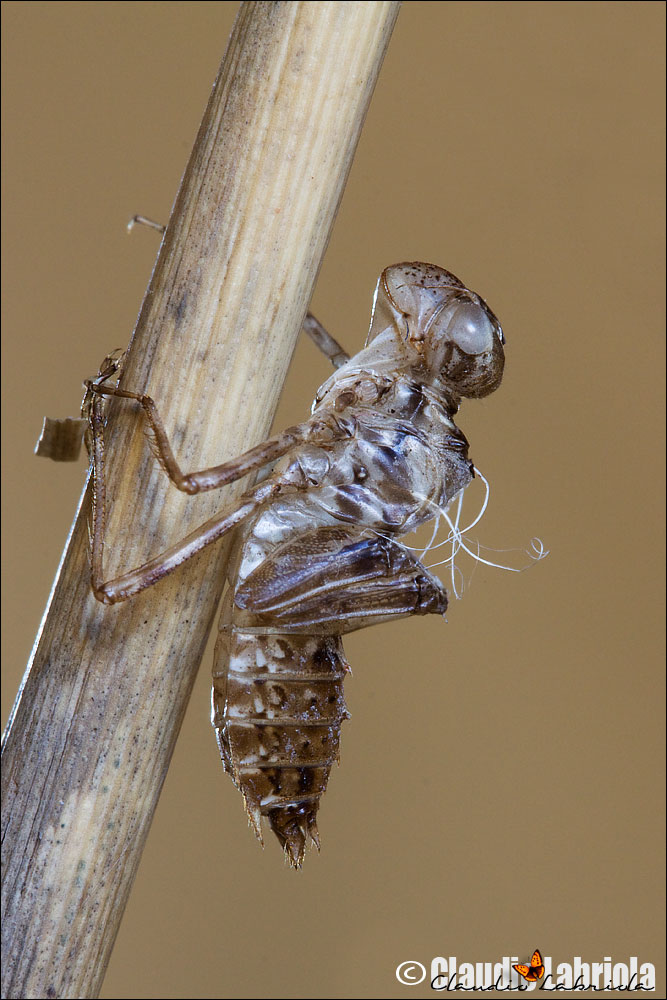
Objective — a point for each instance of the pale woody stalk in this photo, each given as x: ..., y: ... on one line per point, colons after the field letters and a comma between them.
x: 92, y: 734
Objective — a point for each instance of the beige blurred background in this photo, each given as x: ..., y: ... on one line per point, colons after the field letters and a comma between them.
x: 500, y: 785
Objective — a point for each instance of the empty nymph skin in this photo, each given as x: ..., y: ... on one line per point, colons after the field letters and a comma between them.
x: 382, y: 456
x: 316, y: 550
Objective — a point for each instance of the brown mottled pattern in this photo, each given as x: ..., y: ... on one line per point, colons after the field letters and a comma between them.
x: 277, y: 712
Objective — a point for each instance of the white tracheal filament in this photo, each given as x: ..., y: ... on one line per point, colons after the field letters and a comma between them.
x: 458, y: 539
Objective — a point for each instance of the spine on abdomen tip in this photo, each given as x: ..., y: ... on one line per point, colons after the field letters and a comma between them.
x: 277, y: 709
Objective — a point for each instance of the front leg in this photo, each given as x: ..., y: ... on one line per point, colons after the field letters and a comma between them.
x: 218, y: 475
x: 60, y: 440
x: 326, y: 343
x: 319, y: 430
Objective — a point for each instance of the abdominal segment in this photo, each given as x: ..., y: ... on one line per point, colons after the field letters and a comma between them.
x: 277, y: 710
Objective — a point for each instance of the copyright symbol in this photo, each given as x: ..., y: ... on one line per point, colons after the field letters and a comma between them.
x: 411, y: 973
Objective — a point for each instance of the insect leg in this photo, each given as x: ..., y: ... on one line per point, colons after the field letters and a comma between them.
x: 326, y: 343
x: 218, y: 475
x: 132, y: 582
x: 141, y: 220
x: 319, y: 429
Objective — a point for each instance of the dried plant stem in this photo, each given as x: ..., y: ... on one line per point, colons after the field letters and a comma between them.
x: 95, y: 724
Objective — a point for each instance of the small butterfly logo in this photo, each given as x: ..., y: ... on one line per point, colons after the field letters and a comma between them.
x: 531, y: 973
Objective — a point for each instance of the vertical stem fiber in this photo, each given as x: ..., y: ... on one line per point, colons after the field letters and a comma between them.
x: 95, y: 723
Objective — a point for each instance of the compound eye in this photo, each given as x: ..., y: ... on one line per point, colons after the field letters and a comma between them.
x: 471, y: 329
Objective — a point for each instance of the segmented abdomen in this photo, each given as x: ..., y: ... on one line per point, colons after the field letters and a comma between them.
x: 277, y: 709
x: 308, y: 569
